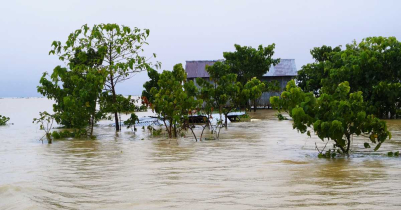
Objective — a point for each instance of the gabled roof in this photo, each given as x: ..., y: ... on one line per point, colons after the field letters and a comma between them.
x: 286, y: 67
x: 196, y: 69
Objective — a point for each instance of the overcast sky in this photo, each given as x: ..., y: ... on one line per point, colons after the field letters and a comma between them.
x: 184, y: 30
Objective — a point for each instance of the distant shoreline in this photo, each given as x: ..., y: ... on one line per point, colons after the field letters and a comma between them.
x: 37, y: 97
x: 20, y: 97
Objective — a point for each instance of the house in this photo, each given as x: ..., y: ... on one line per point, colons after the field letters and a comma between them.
x: 283, y: 72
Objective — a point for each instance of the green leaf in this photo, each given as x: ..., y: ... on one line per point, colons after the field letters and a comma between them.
x: 377, y: 146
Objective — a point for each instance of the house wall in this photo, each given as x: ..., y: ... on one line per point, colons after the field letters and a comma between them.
x: 283, y: 80
x: 196, y: 84
x: 264, y: 100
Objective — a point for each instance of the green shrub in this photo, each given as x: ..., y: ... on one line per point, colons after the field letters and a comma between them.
x: 56, y: 135
x: 4, y: 120
x: 281, y: 117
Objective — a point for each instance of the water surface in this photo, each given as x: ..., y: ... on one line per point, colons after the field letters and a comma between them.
x: 262, y: 164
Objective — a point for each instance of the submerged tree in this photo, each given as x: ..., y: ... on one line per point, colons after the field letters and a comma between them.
x: 174, y: 100
x: 121, y: 46
x: 253, y: 90
x: 125, y: 105
x: 205, y: 92
x: 223, y: 89
x: 337, y: 116
x: 76, y: 90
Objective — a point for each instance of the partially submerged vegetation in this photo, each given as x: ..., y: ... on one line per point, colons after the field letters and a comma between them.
x: 45, y: 122
x: 333, y: 116
x: 4, y: 120
x: 342, y: 94
x: 97, y: 59
x: 176, y: 100
x: 371, y: 66
x: 345, y: 92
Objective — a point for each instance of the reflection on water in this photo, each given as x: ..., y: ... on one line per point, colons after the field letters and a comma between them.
x: 255, y: 165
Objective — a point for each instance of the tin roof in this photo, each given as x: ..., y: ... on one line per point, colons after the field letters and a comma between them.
x: 286, y: 67
x: 196, y: 69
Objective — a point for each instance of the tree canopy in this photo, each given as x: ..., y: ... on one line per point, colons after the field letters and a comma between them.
x: 224, y: 89
x: 371, y: 66
x: 76, y: 90
x: 247, y: 62
x: 333, y: 116
x: 147, y: 96
x: 174, y: 99
x: 121, y: 49
x: 253, y: 90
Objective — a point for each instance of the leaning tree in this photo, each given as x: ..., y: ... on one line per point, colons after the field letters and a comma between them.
x: 123, y: 49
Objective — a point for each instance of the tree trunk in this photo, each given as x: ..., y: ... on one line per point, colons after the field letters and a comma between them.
x: 349, y: 143
x: 170, y: 130
x: 342, y: 149
x: 165, y: 124
x: 254, y: 105
x: 116, y: 121
x: 193, y: 133
x: 345, y: 150
x: 119, y: 117
x: 113, y: 91
x: 225, y: 120
x: 49, y: 138
x: 203, y: 129
x: 91, y: 124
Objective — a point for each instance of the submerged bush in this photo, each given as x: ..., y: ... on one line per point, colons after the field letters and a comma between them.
x: 281, y: 117
x: 393, y: 154
x: 45, y: 121
x: 328, y: 154
x: 56, y: 135
x: 336, y: 116
x: 130, y: 122
x: 68, y: 134
x: 4, y: 120
x: 153, y: 131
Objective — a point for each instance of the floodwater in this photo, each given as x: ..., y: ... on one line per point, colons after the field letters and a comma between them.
x: 262, y: 164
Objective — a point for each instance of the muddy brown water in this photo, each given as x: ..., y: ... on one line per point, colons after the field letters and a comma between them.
x: 262, y: 164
